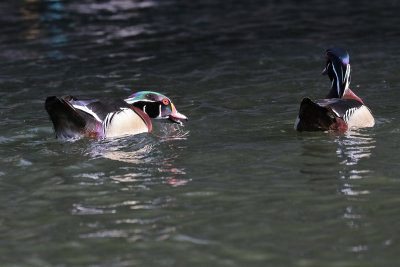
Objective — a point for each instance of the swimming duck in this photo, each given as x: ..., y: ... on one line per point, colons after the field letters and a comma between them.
x: 73, y: 118
x: 342, y: 109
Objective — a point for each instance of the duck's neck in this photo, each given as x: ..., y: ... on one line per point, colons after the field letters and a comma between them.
x: 349, y: 94
x: 332, y: 93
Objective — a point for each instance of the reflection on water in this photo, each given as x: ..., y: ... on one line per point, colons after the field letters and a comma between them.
x: 318, y: 154
x: 45, y: 18
x: 136, y: 149
x: 33, y: 17
x: 153, y: 159
x: 354, y: 146
x: 112, y: 6
x: 142, y: 161
x: 352, y: 149
x: 345, y: 157
x: 118, y: 153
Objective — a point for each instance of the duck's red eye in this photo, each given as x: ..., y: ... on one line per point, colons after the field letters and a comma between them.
x: 165, y: 101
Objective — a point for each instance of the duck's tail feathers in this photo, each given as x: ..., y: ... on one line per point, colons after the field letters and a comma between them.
x: 67, y: 122
x: 313, y: 117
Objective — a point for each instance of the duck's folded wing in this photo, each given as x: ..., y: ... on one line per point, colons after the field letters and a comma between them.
x: 99, y: 108
x: 340, y: 106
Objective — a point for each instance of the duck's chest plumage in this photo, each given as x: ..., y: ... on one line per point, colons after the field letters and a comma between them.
x: 125, y: 121
x: 112, y: 117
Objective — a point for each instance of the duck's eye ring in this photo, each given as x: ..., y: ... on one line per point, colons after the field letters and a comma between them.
x: 165, y: 101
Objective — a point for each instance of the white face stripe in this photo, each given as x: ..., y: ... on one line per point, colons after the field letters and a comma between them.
x: 131, y: 101
x: 337, y: 80
x: 88, y: 110
x: 333, y: 80
x: 347, y: 77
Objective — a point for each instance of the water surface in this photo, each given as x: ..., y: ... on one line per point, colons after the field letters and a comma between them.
x: 234, y: 186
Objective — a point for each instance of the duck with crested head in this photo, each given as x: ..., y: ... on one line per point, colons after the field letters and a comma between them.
x: 109, y: 117
x: 342, y: 109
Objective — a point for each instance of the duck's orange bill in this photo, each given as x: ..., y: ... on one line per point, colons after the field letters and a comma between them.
x: 176, y: 115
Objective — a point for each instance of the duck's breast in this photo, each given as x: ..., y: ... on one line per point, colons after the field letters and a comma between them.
x: 125, y: 122
x: 361, y: 117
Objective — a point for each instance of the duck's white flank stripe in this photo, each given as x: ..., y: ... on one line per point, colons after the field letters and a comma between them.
x: 107, y: 121
x: 337, y: 80
x: 347, y: 115
x: 88, y: 110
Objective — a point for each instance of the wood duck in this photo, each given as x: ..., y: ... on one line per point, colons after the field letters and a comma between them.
x: 73, y: 118
x: 341, y: 109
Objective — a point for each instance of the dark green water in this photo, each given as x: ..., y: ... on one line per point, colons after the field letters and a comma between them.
x: 236, y: 185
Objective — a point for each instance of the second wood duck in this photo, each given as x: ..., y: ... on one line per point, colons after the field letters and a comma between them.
x: 342, y: 109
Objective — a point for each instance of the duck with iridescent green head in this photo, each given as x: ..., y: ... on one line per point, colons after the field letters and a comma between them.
x: 109, y: 117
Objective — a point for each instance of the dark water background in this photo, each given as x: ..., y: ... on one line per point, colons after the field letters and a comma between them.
x: 235, y: 186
